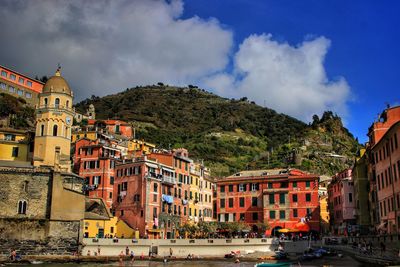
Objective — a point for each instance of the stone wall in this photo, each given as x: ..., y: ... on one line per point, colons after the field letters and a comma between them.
x: 24, y: 184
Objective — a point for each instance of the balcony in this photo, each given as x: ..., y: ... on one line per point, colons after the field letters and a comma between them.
x: 168, y: 179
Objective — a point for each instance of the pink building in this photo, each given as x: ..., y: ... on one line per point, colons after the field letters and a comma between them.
x: 384, y: 171
x: 341, y: 203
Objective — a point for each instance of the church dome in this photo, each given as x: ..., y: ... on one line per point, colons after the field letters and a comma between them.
x: 57, y: 84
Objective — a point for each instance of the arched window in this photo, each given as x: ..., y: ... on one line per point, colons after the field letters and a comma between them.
x: 41, y: 130
x: 45, y: 101
x: 55, y: 128
x: 22, y: 207
x: 57, y: 102
x: 67, y: 103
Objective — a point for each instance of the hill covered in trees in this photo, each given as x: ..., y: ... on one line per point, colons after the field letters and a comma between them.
x: 229, y: 135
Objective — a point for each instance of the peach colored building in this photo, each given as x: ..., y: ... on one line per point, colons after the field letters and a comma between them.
x: 384, y: 170
x: 113, y: 127
x: 342, y: 203
x: 20, y: 85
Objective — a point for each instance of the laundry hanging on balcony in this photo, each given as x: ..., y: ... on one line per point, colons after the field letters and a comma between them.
x: 168, y: 199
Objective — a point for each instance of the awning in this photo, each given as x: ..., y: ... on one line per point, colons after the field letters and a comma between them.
x: 302, y: 227
x: 154, y: 230
x: 285, y: 230
x: 151, y: 165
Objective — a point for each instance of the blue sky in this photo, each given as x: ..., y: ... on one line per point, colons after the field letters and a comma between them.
x: 297, y: 57
x: 364, y: 42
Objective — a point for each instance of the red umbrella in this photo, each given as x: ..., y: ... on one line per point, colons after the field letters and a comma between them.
x: 302, y: 227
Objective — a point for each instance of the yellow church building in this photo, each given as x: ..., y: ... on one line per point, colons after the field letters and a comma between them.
x: 54, y: 115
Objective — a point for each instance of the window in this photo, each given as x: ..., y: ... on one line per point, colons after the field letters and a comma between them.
x: 11, y: 89
x: 9, y: 137
x: 21, y: 80
x: 20, y: 92
x: 3, y: 86
x: 155, y: 187
x: 255, y: 216
x: 136, y: 198
x: 231, y: 188
x: 269, y: 185
x: 28, y: 95
x: 110, y: 195
x: 282, y: 214
x: 271, y: 199
x: 254, y: 187
x: 111, y: 180
x: 3, y: 73
x: 57, y: 103
x: 122, y: 212
x: 281, y: 198
x: 307, y: 184
x: 294, y: 198
x: 272, y: 214
x: 22, y: 207
x: 241, y: 202
x: 55, y: 128
x: 222, y: 203
x: 12, y: 76
x: 294, y: 184
x: 96, y: 180
x: 241, y: 188
x: 350, y: 197
x: 111, y: 229
x: 154, y: 198
x: 242, y: 216
x: 67, y: 103
x: 295, y: 213
x: 230, y: 200
x: 29, y: 83
x: 222, y: 189
x: 15, y: 151
x: 308, y: 197
x: 254, y: 201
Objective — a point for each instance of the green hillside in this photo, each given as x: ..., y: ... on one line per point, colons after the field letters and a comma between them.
x: 229, y: 135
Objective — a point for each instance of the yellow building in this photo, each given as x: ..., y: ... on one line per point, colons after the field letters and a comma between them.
x: 112, y: 227
x: 140, y: 145
x: 194, y: 195
x: 54, y: 116
x: 92, y: 135
x: 14, y: 145
x: 324, y: 213
x: 207, y: 185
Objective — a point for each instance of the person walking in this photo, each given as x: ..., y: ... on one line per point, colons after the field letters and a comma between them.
x: 132, y: 256
x: 98, y: 250
x: 170, y: 252
x: 127, y: 251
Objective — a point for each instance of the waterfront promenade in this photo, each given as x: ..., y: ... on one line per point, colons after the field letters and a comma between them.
x: 184, y: 247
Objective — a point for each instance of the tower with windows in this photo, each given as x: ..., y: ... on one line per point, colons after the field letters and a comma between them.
x: 54, y: 115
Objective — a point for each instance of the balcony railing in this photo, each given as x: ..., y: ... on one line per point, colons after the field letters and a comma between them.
x: 168, y: 179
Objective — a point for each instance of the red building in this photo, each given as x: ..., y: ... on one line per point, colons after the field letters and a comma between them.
x: 144, y: 196
x: 112, y: 126
x: 96, y: 161
x: 279, y: 198
x: 384, y: 171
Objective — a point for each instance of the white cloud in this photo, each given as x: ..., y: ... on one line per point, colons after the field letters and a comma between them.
x: 107, y: 46
x: 289, y: 79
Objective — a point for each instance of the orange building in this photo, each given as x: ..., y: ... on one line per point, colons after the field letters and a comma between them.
x: 20, y: 85
x: 113, y: 127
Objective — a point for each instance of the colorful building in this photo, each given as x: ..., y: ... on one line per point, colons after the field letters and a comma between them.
x: 54, y: 115
x: 139, y: 195
x: 384, y: 170
x: 20, y: 85
x: 96, y: 161
x: 342, y: 203
x: 16, y: 145
x: 99, y: 223
x: 117, y: 127
x: 79, y: 134
x: 279, y: 198
x: 140, y: 145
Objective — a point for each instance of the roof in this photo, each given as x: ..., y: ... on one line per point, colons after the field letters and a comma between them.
x: 57, y: 84
x: 107, y: 122
x: 95, y: 209
x: 258, y: 173
x: 386, y: 133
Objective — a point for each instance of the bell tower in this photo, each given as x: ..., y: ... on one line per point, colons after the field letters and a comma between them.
x: 54, y: 115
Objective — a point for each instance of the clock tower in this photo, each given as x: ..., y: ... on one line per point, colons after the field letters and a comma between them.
x: 54, y: 115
